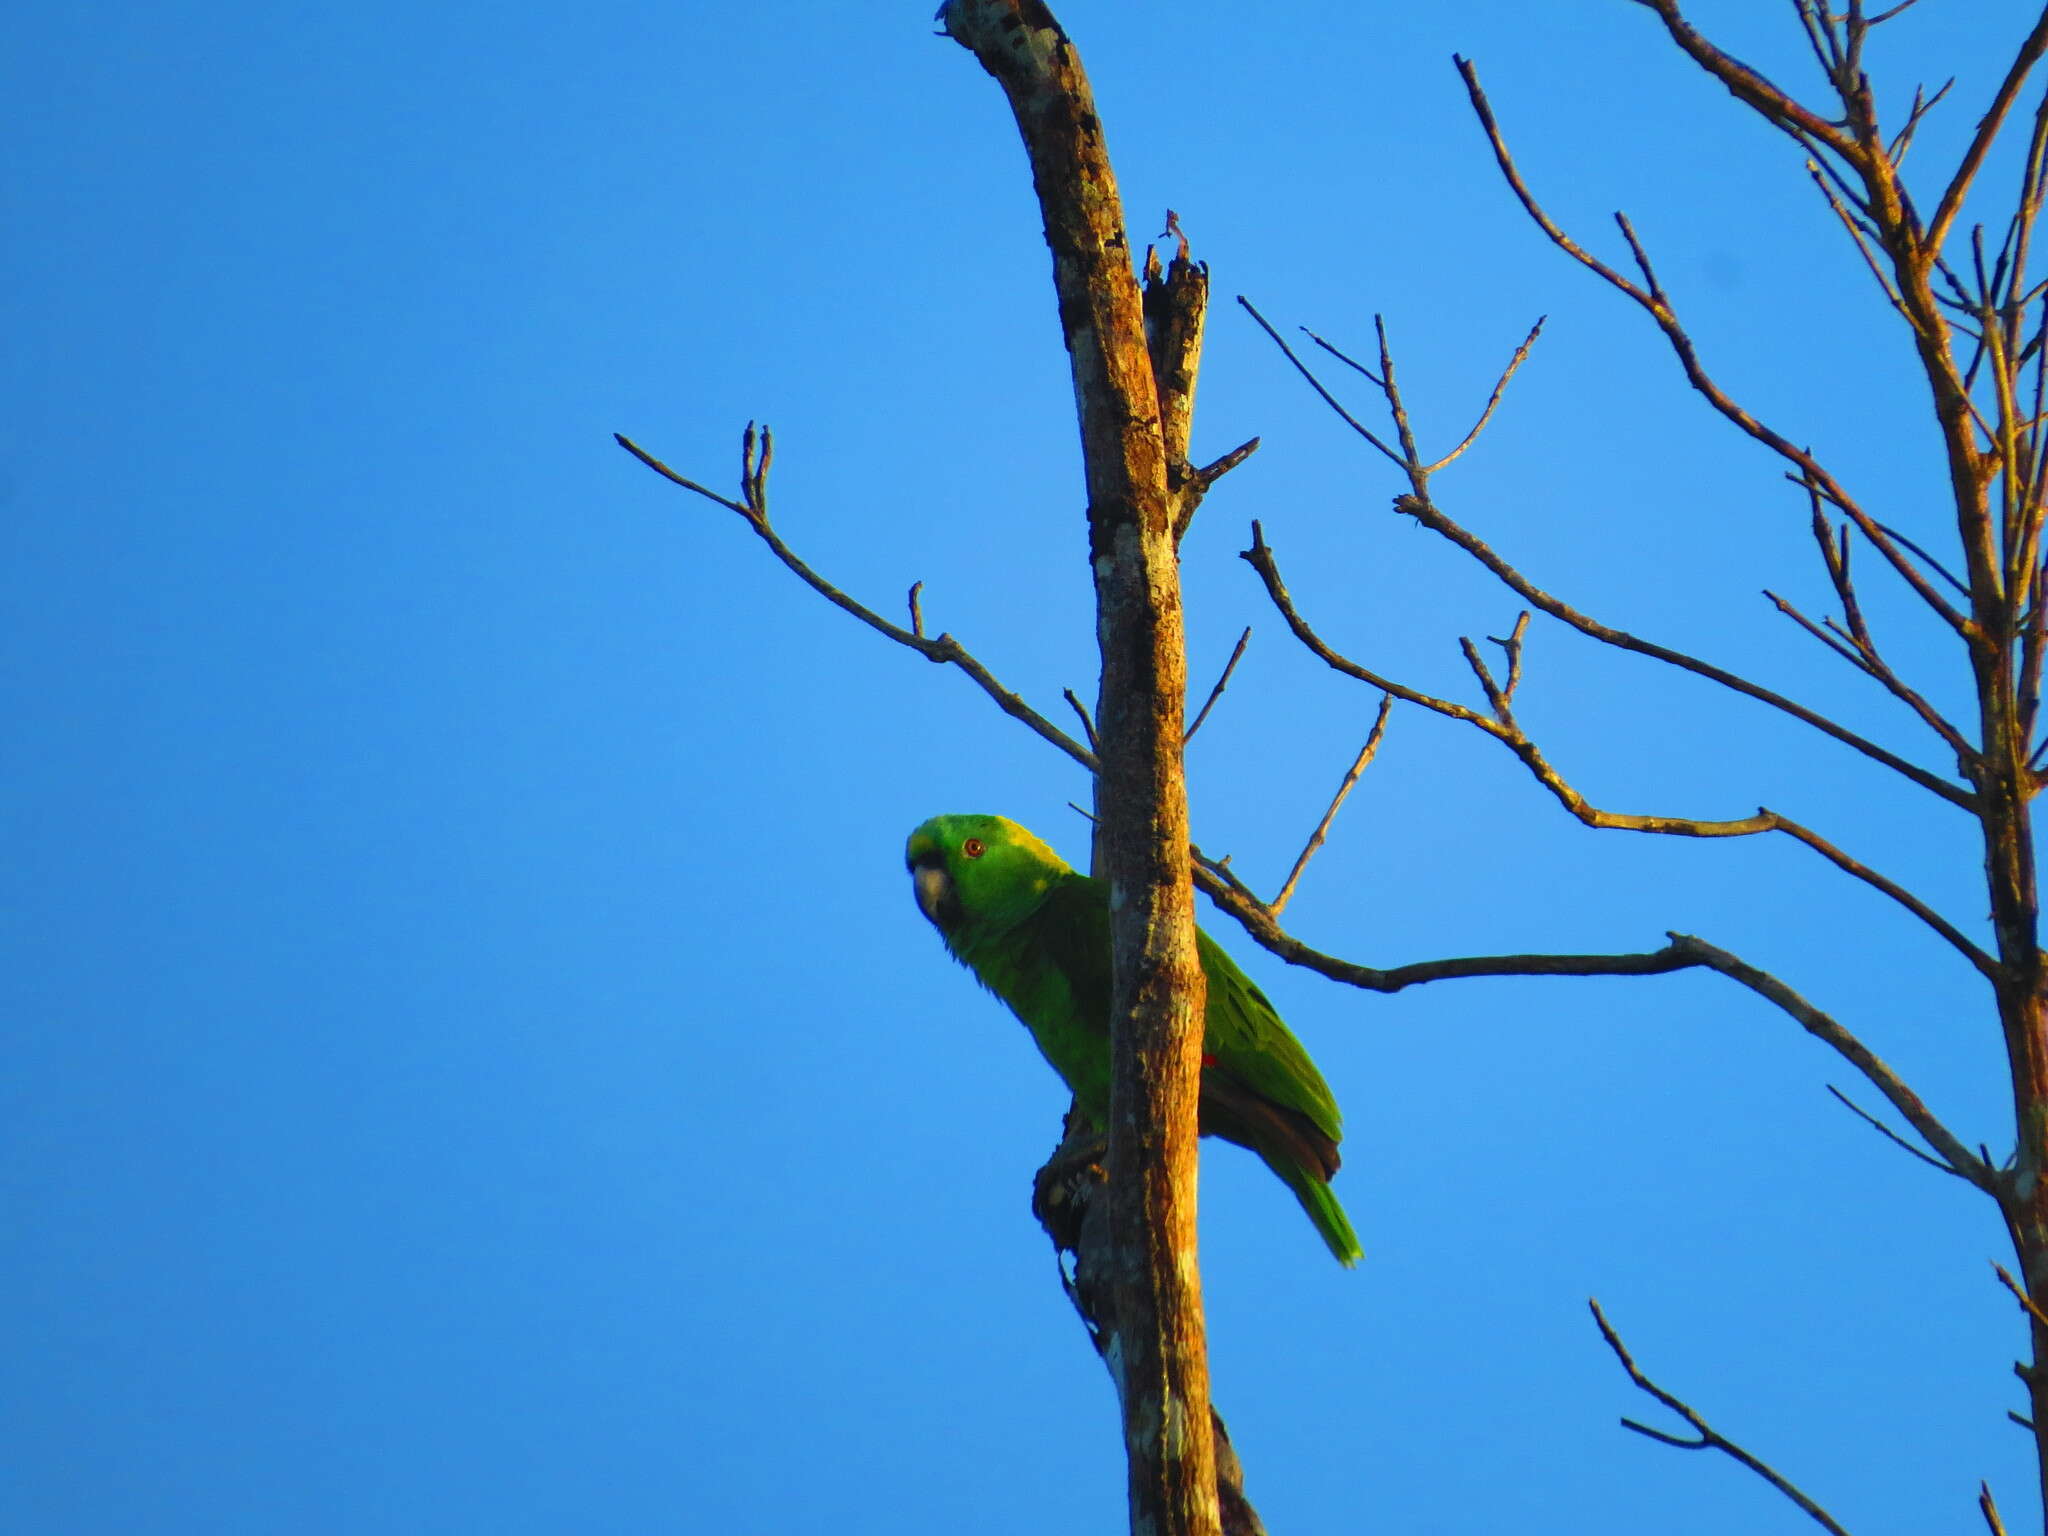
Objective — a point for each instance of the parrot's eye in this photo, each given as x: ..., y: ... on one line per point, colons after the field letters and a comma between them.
x: 974, y: 848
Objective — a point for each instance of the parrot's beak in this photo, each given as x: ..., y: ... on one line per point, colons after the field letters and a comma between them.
x: 934, y: 889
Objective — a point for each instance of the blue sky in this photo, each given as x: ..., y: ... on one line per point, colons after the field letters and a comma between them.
x: 474, y: 1064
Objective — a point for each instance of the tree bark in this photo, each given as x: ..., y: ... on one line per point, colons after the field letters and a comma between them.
x: 1156, y: 1349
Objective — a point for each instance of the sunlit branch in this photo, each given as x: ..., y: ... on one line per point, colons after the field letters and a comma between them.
x: 1988, y: 128
x: 2019, y: 1294
x: 1988, y: 1507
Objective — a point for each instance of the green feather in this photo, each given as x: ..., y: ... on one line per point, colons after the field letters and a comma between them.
x: 1036, y: 933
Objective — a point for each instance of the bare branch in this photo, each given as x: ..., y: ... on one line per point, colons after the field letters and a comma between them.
x: 1846, y: 652
x: 1935, y: 565
x: 1922, y: 105
x: 1358, y: 766
x: 1236, y: 900
x: 1771, y: 103
x: 1708, y: 1437
x: 1493, y: 400
x: 1858, y: 234
x: 1087, y: 725
x: 690, y: 485
x: 1411, y: 457
x: 1820, y: 36
x: 1317, y: 384
x: 1898, y: 893
x: 1431, y: 517
x: 1487, y: 685
x: 1684, y: 951
x: 1852, y: 1050
x: 1989, y: 1507
x: 1260, y: 558
x: 1230, y: 666
x: 1344, y: 357
x: 942, y: 648
x: 1210, y: 473
x: 1503, y: 729
x: 1739, y: 79
x: 1987, y: 130
x: 1889, y: 1134
x: 1200, y: 481
x: 2027, y: 1304
x: 1513, y: 646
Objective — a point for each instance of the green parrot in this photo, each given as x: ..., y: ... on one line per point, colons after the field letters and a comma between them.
x: 1036, y: 933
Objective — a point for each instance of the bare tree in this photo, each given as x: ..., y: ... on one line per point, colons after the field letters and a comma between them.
x: 1134, y: 361
x: 1975, y: 320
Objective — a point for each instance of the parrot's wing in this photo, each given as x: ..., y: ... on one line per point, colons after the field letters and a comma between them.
x: 1250, y: 1042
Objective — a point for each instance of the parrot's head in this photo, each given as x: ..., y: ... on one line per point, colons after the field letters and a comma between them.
x: 974, y: 869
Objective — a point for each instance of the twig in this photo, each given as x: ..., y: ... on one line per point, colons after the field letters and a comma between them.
x: 2026, y: 1302
x: 1230, y: 666
x: 1857, y: 233
x: 1922, y: 105
x: 1888, y: 1133
x: 1411, y: 457
x: 1493, y: 400
x: 1989, y: 1507
x: 1199, y: 482
x: 1087, y: 725
x: 1513, y: 646
x: 1358, y: 766
x: 1835, y: 549
x: 1487, y: 685
x: 1877, y: 882
x: 1707, y: 1437
x: 1829, y: 1032
x: 1317, y: 384
x: 1344, y: 357
x: 1216, y: 469
x: 1846, y: 652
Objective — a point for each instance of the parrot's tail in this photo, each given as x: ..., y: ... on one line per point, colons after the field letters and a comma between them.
x: 1322, y: 1207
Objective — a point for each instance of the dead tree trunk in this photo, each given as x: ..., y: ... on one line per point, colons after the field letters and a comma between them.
x: 1157, y: 1352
